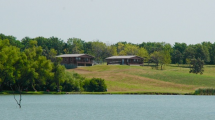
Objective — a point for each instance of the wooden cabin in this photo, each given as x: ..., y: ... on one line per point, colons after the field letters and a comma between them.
x: 125, y: 60
x: 75, y: 60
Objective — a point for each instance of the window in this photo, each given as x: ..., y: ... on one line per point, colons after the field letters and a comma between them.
x: 78, y: 58
x: 65, y: 59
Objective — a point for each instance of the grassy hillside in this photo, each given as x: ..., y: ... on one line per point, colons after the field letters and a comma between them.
x: 174, y: 79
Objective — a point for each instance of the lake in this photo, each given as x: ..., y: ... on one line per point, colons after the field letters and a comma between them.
x: 108, y: 107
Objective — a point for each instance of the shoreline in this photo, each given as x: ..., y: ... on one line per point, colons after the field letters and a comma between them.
x: 94, y: 93
x: 200, y: 91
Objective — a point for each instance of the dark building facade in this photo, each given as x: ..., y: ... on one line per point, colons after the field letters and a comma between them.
x: 125, y: 60
x: 75, y: 60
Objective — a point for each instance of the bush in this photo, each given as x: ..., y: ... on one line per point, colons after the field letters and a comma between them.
x: 95, y: 85
x: 70, y: 85
x: 72, y: 82
x: 205, y: 91
x: 197, y: 66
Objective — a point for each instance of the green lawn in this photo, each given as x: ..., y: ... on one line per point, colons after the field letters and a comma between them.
x: 182, y: 76
x: 173, y: 79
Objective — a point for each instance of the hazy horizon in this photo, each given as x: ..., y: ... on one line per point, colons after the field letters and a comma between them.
x: 111, y: 21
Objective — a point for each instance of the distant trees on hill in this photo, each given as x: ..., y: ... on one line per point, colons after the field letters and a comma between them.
x: 179, y: 53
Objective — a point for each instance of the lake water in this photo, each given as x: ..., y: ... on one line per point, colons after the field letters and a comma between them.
x: 108, y: 107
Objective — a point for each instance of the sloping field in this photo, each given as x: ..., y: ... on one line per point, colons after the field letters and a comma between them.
x: 174, y: 79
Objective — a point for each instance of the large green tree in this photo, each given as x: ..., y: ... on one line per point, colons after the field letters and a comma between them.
x: 131, y: 49
x: 197, y: 66
x: 56, y: 43
x: 75, y: 46
x: 98, y: 50
x: 120, y: 47
x: 41, y: 67
x: 143, y: 53
x: 177, y: 57
x: 12, y: 40
x: 189, y: 53
x: 22, y: 76
x: 202, y: 52
x: 111, y: 51
x: 8, y: 59
x: 59, y: 73
x: 152, y: 46
x: 161, y: 57
x: 180, y: 47
x: 212, y: 53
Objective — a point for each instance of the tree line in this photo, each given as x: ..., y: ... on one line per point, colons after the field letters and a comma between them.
x: 153, y: 52
x: 26, y: 66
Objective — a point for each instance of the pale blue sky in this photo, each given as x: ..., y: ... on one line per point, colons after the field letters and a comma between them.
x: 111, y: 21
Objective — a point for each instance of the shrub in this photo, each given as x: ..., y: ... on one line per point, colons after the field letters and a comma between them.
x: 72, y: 82
x: 197, y: 66
x: 95, y: 85
x: 205, y: 91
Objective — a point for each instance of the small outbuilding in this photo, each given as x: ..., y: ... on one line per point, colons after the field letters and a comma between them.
x: 125, y: 60
x: 75, y: 60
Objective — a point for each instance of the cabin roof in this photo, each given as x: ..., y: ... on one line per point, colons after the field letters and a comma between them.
x: 122, y: 57
x: 73, y: 55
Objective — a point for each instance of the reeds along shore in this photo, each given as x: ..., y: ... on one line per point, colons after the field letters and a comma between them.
x: 205, y: 91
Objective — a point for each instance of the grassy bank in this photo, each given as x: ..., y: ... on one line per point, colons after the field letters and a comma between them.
x: 122, y: 79
x: 31, y: 92
x: 137, y: 79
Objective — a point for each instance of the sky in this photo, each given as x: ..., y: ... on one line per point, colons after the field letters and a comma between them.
x: 111, y: 21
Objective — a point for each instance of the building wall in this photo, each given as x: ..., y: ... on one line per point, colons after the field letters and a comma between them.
x: 70, y: 66
x: 125, y: 61
x: 74, y: 62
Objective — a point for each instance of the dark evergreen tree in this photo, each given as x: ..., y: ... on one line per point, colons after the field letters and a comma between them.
x: 197, y: 66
